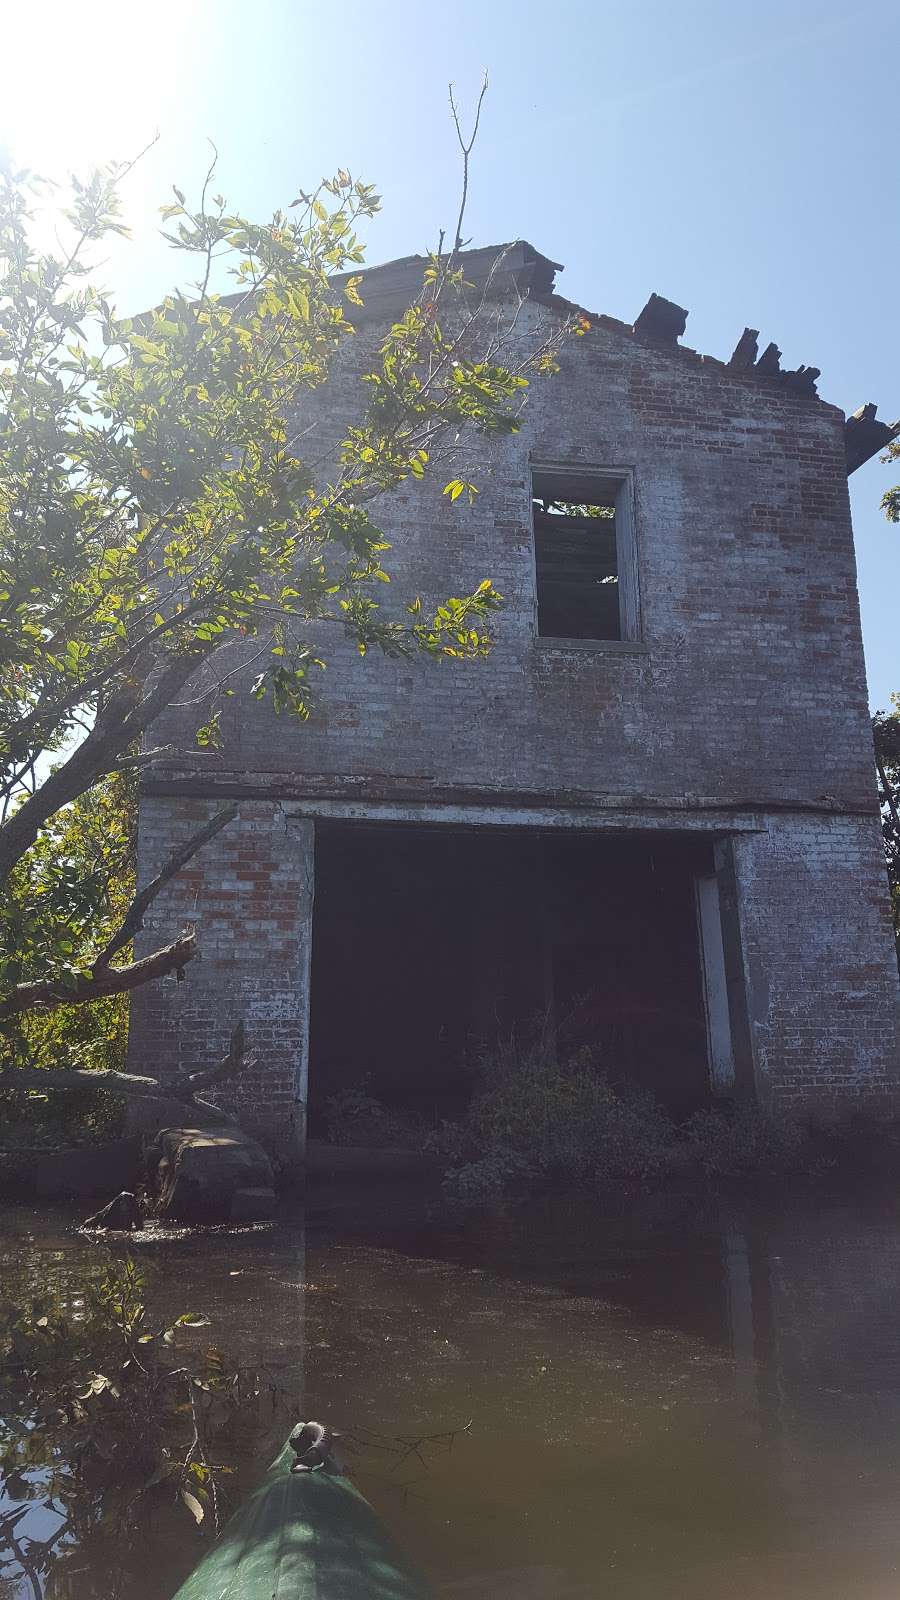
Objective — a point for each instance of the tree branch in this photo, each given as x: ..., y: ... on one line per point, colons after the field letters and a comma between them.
x: 148, y: 1090
x: 466, y: 146
x: 134, y: 917
x: 889, y: 800
x: 137, y: 1086
x: 232, y: 1064
x: 118, y: 726
x: 89, y: 761
x: 82, y: 1078
x: 50, y: 994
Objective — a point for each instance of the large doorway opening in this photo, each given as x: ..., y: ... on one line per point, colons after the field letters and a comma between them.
x: 430, y: 943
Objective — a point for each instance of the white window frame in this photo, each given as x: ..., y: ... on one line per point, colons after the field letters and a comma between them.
x: 719, y: 1045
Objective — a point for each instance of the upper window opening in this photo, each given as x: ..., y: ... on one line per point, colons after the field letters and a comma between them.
x: 576, y: 544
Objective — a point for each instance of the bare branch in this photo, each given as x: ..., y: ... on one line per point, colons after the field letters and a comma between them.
x: 133, y: 920
x: 140, y: 1087
x: 152, y: 1092
x: 230, y: 1067
x: 81, y: 1078
x: 466, y: 146
x: 50, y: 993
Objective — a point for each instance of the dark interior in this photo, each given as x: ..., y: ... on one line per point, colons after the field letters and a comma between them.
x: 576, y: 557
x: 429, y: 943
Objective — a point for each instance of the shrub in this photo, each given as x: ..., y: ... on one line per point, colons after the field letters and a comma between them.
x: 539, y: 1117
x: 355, y: 1117
x: 488, y: 1176
x: 57, y: 1120
x: 732, y: 1144
x: 537, y: 1120
x: 451, y: 1141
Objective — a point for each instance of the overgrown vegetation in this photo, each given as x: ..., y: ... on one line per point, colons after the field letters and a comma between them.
x: 745, y: 1141
x: 74, y: 885
x: 536, y: 1118
x: 354, y: 1116
x: 32, y: 1121
x: 107, y: 1425
x: 543, y: 1122
x: 543, y: 1116
x: 173, y: 529
x: 886, y: 729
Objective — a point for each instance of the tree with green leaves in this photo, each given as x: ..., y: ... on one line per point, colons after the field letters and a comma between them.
x: 886, y: 729
x: 890, y: 500
x: 165, y: 516
x: 116, y: 1428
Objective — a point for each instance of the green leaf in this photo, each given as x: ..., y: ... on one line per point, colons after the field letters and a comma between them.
x: 193, y: 1505
x: 209, y: 735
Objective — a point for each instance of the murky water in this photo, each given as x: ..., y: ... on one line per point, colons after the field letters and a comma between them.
x: 677, y: 1396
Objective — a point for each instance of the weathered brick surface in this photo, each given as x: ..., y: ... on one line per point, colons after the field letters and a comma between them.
x: 822, y: 983
x: 749, y: 698
x: 753, y: 685
x: 250, y: 899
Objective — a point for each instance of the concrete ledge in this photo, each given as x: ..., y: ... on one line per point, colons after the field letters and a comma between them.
x: 613, y: 647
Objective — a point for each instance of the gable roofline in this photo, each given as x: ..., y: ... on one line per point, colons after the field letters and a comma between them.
x: 518, y: 268
x: 512, y: 268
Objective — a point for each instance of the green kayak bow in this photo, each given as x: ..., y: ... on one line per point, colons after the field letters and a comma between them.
x: 303, y: 1536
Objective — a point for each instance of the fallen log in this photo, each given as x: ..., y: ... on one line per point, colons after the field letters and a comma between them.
x: 183, y: 1088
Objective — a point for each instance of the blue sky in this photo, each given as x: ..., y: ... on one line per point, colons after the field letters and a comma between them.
x: 734, y: 158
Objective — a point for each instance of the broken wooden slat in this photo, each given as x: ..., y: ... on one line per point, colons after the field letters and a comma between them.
x: 661, y: 320
x: 746, y: 350
x: 769, y: 363
x: 864, y: 436
x: 744, y: 359
x: 803, y: 380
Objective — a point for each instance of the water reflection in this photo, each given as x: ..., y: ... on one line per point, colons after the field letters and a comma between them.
x: 678, y: 1394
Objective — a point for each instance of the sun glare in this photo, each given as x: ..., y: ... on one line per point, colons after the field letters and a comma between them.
x: 87, y: 83
x: 96, y: 82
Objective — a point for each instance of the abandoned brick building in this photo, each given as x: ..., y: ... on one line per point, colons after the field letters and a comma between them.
x: 649, y: 815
